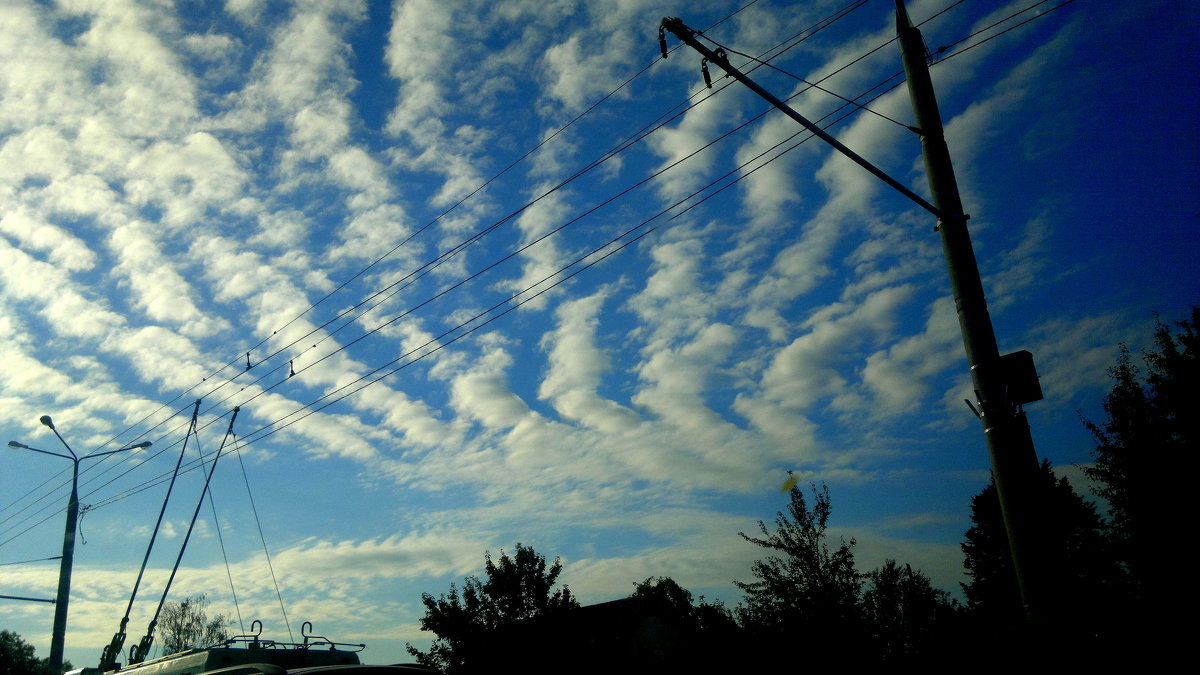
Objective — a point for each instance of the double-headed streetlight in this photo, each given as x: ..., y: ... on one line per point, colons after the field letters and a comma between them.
x: 68, y: 550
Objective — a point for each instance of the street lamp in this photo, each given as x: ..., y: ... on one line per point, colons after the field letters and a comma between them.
x: 68, y: 550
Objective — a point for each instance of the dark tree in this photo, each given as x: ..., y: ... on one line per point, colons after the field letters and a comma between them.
x: 1149, y: 434
x: 809, y: 592
x: 907, y: 617
x: 663, y: 597
x: 16, y: 656
x: 185, y: 625
x: 1078, y: 572
x: 516, y: 589
x: 676, y: 632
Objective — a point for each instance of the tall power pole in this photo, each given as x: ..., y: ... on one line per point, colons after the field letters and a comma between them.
x: 1002, y: 384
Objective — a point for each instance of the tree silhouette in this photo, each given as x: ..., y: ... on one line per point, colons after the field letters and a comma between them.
x: 663, y: 628
x: 516, y: 589
x: 905, y: 615
x: 185, y: 625
x: 808, y: 591
x: 17, y: 657
x: 1150, y: 431
x: 1078, y: 570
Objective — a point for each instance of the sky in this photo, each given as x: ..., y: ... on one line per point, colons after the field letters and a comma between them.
x: 476, y: 273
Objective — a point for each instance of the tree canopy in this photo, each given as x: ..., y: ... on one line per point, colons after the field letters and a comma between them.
x: 1150, y: 429
x: 185, y: 625
x: 1077, y: 562
x: 671, y: 630
x: 17, y: 657
x: 515, y: 588
x: 808, y: 588
x: 811, y: 595
x: 905, y: 615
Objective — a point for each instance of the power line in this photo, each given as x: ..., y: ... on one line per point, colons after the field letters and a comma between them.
x: 944, y: 48
x: 836, y: 71
x: 25, y: 562
x: 620, y: 147
x: 407, y: 281
x: 271, y: 431
x: 440, y: 345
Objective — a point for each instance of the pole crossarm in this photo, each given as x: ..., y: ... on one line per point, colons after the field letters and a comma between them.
x: 719, y: 57
x: 19, y: 597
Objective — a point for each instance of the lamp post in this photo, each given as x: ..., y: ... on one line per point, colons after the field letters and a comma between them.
x: 68, y: 550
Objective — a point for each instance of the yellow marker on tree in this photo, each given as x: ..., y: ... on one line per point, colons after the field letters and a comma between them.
x: 790, y: 483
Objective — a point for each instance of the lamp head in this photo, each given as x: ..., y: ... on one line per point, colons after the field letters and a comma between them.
x: 45, y: 419
x: 14, y: 444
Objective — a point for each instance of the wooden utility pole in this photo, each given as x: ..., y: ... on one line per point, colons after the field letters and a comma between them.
x: 1002, y: 384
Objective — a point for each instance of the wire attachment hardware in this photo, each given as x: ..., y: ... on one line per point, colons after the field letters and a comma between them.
x: 662, y: 40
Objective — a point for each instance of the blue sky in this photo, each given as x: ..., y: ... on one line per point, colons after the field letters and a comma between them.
x: 185, y: 183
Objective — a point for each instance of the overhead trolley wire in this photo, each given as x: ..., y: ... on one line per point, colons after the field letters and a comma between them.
x: 407, y: 280
x: 96, y: 473
x: 504, y: 259
x: 340, y: 393
x: 420, y: 272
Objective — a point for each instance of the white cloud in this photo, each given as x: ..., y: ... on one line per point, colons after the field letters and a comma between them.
x: 63, y: 249
x: 157, y: 285
x: 69, y: 311
x: 898, y: 377
x: 577, y: 367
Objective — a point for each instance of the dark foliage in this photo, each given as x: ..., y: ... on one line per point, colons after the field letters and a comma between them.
x: 907, y: 617
x: 808, y: 593
x: 17, y: 657
x: 1078, y: 572
x: 515, y: 589
x: 675, y: 632
x: 1149, y: 434
x: 185, y: 625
